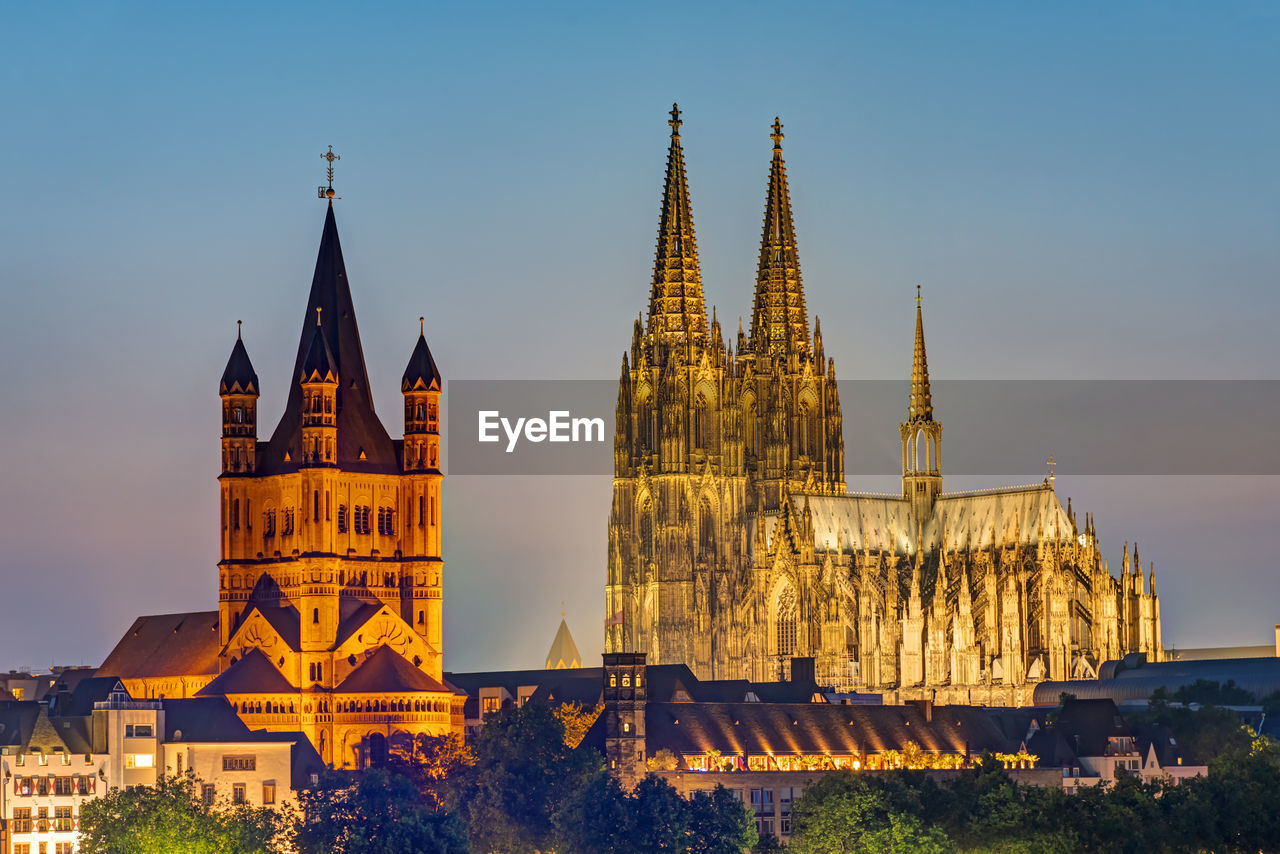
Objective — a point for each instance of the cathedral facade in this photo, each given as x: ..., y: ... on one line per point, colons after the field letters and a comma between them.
x: 734, y: 544
x: 331, y: 572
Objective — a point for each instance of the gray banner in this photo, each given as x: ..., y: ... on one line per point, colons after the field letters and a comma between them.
x: 991, y: 427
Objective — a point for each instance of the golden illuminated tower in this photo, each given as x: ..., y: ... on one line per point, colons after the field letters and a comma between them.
x: 331, y: 571
x: 921, y: 434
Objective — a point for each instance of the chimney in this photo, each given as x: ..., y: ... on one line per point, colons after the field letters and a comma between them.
x: 803, y: 671
x: 925, y: 707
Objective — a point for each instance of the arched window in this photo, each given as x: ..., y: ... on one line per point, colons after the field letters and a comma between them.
x: 785, y: 623
x: 342, y: 518
x: 749, y: 428
x: 646, y: 531
x: 315, y: 615
x: 706, y: 531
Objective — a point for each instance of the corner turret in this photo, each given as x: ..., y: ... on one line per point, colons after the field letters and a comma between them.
x: 239, y: 392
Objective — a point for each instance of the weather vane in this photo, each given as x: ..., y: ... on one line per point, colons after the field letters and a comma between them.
x: 327, y: 192
x: 1051, y: 465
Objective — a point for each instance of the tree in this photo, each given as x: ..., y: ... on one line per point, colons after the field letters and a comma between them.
x: 170, y: 817
x: 595, y: 817
x: 661, y: 816
x: 434, y: 764
x: 719, y: 823
x: 377, y: 812
x: 576, y: 720
x: 524, y: 771
x: 845, y: 812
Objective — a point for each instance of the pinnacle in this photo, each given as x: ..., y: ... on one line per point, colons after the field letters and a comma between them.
x: 920, y: 405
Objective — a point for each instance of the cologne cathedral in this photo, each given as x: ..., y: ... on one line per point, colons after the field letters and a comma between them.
x: 330, y: 578
x: 734, y: 544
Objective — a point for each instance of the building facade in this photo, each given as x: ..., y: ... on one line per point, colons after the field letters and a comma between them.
x: 331, y: 570
x: 59, y: 753
x: 735, y: 545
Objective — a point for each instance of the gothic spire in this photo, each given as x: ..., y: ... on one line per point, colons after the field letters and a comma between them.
x: 421, y: 372
x: 677, y: 312
x: 779, y: 323
x: 920, y: 405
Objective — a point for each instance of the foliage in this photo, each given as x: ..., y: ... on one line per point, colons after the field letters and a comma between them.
x: 1208, y: 693
x: 523, y: 772
x: 377, y: 812
x: 663, y: 760
x: 576, y: 720
x: 851, y: 812
x: 653, y: 818
x: 171, y: 817
x: 433, y: 764
x: 1202, y: 733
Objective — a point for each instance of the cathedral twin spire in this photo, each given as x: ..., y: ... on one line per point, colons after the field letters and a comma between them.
x: 677, y: 307
x: 779, y: 321
x: 677, y: 310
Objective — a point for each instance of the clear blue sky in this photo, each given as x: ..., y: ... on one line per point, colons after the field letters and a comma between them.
x: 1086, y: 190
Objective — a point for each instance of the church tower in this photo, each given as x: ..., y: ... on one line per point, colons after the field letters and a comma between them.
x: 921, y: 434
x: 330, y: 582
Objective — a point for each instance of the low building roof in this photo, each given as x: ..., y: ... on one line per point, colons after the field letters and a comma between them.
x: 817, y: 728
x: 166, y: 645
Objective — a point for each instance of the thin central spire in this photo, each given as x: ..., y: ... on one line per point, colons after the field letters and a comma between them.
x: 677, y: 310
x: 920, y: 406
x: 780, y: 322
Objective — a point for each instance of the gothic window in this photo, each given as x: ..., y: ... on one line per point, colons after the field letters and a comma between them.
x: 707, y: 531
x: 700, y: 427
x: 749, y: 429
x: 432, y: 453
x: 422, y: 510
x: 431, y: 415
x: 342, y: 518
x: 238, y: 415
x: 328, y: 406
x: 646, y: 532
x: 315, y: 505
x: 433, y: 510
x: 286, y: 524
x: 785, y: 623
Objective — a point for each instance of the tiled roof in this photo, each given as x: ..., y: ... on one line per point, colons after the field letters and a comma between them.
x: 386, y: 671
x: 808, y: 728
x: 166, y: 645
x: 253, y: 674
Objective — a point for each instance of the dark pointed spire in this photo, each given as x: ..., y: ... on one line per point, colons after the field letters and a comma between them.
x: 920, y: 405
x: 363, y: 443
x: 677, y: 311
x: 779, y: 323
x: 239, y: 376
x: 421, y: 371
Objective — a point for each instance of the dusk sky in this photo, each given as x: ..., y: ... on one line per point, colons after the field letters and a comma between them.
x: 1090, y: 192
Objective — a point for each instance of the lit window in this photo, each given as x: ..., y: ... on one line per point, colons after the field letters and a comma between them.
x: 139, y: 760
x: 269, y: 792
x: 207, y: 793
x: 237, y: 793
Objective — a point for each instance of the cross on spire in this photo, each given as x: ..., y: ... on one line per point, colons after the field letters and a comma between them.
x: 777, y: 134
x: 674, y: 121
x: 1051, y: 464
x: 327, y: 192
